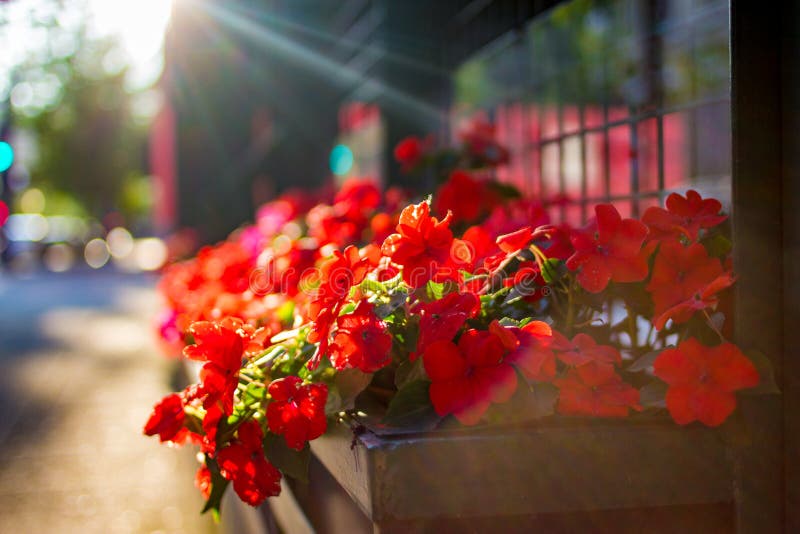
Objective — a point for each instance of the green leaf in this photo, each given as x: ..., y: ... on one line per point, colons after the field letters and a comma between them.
x: 409, y: 372
x: 218, y: 486
x: 434, y: 290
x: 285, y: 312
x: 348, y: 308
x: 508, y: 321
x: 653, y: 395
x: 767, y: 384
x: 254, y: 393
x: 411, y: 407
x: 505, y: 191
x: 645, y: 362
x: 396, y: 300
x: 347, y: 385
x: 551, y: 270
x: 285, y: 336
x: 291, y: 462
x: 373, y: 286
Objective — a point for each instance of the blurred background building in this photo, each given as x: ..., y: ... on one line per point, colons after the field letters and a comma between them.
x: 615, y: 100
x: 178, y: 119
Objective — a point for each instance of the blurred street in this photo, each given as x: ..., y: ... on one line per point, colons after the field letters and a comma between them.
x: 79, y: 372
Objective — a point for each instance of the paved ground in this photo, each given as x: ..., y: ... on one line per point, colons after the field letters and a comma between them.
x: 78, y: 376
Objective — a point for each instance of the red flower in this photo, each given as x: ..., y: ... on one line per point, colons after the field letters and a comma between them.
x: 468, y: 377
x: 222, y: 345
x: 683, y: 216
x: 479, y: 138
x: 202, y: 480
x: 167, y: 420
x: 583, y: 350
x: 611, y: 252
x: 243, y: 462
x: 482, y: 243
x: 515, y: 241
x: 297, y: 411
x: 702, y: 380
x: 357, y: 198
x: 228, y: 263
x: 684, y: 280
x: 528, y: 281
x: 443, y: 318
x: 554, y: 241
x: 410, y: 151
x: 337, y: 276
x: 509, y: 215
x: 595, y: 391
x: 422, y: 244
x: 532, y: 354
x: 466, y: 197
x: 361, y: 341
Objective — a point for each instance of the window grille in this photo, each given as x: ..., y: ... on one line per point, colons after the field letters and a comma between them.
x: 621, y: 101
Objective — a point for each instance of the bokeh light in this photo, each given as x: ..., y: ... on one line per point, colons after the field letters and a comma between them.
x: 26, y: 227
x: 32, y: 201
x: 59, y: 258
x: 150, y: 253
x: 120, y: 242
x: 6, y: 156
x: 96, y: 253
x: 341, y: 160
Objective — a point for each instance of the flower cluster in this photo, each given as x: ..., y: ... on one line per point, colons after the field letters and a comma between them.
x: 472, y: 297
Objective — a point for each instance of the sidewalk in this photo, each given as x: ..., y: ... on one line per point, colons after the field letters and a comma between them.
x: 79, y: 374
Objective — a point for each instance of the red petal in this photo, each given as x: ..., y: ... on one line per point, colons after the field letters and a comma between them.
x: 443, y: 361
x: 679, y: 404
x: 677, y: 366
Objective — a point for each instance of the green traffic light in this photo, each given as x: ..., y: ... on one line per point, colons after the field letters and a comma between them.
x: 6, y: 156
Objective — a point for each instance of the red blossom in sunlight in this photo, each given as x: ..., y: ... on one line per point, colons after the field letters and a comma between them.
x: 528, y: 281
x: 297, y: 411
x: 467, y: 197
x: 702, y: 380
x: 337, y: 276
x: 595, y: 391
x: 684, y: 280
x: 554, y: 241
x: 330, y: 224
x: 513, y: 242
x: 443, y: 318
x: 382, y: 225
x: 482, y: 243
x: 243, y: 462
x: 510, y: 215
x: 410, y: 151
x: 362, y: 341
x: 210, y: 425
x: 358, y: 197
x: 202, y: 481
x: 167, y: 420
x: 422, y: 244
x: 228, y: 263
x: 221, y: 345
x: 532, y: 353
x: 684, y: 216
x: 611, y: 251
x: 468, y: 377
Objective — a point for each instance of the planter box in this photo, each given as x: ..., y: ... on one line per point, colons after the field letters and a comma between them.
x: 560, y: 475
